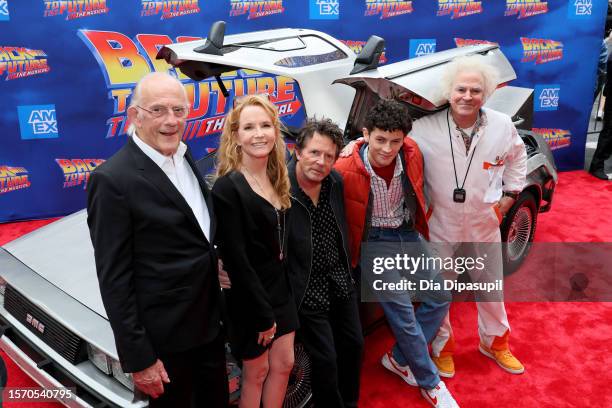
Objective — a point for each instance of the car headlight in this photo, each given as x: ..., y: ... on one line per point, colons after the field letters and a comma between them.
x: 123, y: 378
x: 109, y: 366
x: 99, y: 359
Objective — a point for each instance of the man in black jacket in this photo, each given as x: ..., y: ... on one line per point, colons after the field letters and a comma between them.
x: 151, y: 222
x: 319, y: 266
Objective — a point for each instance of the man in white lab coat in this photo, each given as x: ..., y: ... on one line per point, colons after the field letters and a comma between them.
x: 468, y: 152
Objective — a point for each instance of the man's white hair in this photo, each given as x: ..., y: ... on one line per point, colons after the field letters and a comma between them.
x: 475, y: 64
x: 142, y: 83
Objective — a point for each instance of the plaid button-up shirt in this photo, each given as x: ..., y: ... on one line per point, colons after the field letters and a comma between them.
x: 388, y: 208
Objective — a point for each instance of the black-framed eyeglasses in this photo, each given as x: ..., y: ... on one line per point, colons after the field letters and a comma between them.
x: 157, y: 111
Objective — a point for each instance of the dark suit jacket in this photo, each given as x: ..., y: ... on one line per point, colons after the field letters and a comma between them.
x: 156, y: 269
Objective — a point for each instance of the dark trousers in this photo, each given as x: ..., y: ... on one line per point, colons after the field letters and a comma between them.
x: 334, y: 342
x: 198, y: 378
x: 604, y: 143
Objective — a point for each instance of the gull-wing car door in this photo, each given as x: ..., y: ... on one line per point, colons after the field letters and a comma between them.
x: 417, y: 83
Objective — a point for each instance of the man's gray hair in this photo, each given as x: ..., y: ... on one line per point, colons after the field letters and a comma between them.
x: 473, y: 63
x: 137, y: 92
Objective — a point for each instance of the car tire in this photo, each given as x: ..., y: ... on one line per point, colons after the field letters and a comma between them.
x: 299, y: 393
x: 517, y: 231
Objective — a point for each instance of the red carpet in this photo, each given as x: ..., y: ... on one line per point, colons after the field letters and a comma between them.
x: 566, y: 347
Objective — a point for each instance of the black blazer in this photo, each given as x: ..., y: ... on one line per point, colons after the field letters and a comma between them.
x: 156, y: 269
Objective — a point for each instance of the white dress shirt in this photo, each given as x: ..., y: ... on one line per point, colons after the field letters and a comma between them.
x: 183, y: 178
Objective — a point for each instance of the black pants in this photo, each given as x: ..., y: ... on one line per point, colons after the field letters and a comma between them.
x: 604, y: 144
x: 198, y: 378
x: 334, y: 341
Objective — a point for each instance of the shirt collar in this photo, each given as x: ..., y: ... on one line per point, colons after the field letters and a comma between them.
x: 156, y: 156
x: 323, y: 194
x: 398, y: 164
x: 480, y: 123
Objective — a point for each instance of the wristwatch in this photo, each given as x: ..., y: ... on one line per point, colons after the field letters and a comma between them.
x: 511, y: 194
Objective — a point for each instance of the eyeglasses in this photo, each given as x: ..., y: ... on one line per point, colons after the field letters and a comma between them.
x: 157, y: 111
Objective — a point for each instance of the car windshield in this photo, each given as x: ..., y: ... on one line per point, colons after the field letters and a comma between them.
x: 303, y: 50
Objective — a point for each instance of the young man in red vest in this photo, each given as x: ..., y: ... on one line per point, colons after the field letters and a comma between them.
x: 384, y: 200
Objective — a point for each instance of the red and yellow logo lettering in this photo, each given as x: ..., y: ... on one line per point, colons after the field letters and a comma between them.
x: 540, y: 50
x: 388, y: 8
x: 525, y: 8
x: 169, y: 8
x: 458, y: 8
x: 556, y: 138
x: 13, y: 178
x: 464, y: 42
x: 77, y: 171
x: 75, y: 8
x: 20, y: 62
x: 124, y: 61
x: 255, y: 8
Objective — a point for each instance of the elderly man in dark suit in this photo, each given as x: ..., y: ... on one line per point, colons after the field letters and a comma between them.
x: 151, y: 222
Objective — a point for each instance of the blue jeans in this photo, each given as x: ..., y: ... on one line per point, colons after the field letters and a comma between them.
x: 412, y: 330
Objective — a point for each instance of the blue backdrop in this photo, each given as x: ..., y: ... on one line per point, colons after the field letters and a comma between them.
x: 67, y: 69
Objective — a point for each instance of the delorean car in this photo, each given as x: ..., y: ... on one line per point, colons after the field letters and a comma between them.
x: 52, y: 319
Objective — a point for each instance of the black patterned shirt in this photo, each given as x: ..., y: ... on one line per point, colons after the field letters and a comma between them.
x: 329, y: 275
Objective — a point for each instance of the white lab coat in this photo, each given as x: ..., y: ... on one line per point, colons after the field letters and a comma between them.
x: 475, y: 220
x: 499, y: 156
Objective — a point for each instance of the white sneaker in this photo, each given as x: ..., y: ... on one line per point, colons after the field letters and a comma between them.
x: 403, y: 371
x: 439, y: 396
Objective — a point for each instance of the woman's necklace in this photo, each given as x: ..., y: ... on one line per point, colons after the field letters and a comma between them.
x: 280, y: 229
x: 281, y: 235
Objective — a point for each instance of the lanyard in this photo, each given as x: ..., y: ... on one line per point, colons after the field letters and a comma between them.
x: 453, y: 154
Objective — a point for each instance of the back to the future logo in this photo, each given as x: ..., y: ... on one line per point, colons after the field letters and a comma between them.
x: 21, y: 62
x: 547, y: 97
x: 169, y: 9
x: 13, y: 178
x: 256, y: 9
x: 525, y: 8
x: 387, y: 8
x: 75, y: 8
x: 541, y: 50
x: 556, y: 138
x: 77, y: 171
x: 458, y: 8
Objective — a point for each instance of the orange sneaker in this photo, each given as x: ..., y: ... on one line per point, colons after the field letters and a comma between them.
x: 504, y: 359
x: 446, y: 365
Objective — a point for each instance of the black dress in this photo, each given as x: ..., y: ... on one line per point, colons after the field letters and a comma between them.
x: 249, y: 245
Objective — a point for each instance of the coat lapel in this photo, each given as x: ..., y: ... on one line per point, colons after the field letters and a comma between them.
x: 157, y: 177
x: 205, y: 193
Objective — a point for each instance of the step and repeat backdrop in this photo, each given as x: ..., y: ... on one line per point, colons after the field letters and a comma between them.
x: 68, y: 68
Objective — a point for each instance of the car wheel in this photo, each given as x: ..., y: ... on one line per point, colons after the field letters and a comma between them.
x: 299, y: 391
x: 517, y: 231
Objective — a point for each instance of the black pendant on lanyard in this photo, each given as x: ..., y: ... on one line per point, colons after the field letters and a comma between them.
x: 459, y: 193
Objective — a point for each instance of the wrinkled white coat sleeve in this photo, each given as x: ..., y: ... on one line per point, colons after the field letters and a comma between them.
x: 515, y: 172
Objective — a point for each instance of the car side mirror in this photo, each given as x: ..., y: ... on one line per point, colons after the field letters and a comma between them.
x: 370, y: 54
x: 214, y: 41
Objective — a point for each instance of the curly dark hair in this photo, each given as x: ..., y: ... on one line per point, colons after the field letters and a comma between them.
x: 388, y: 115
x: 324, y: 127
